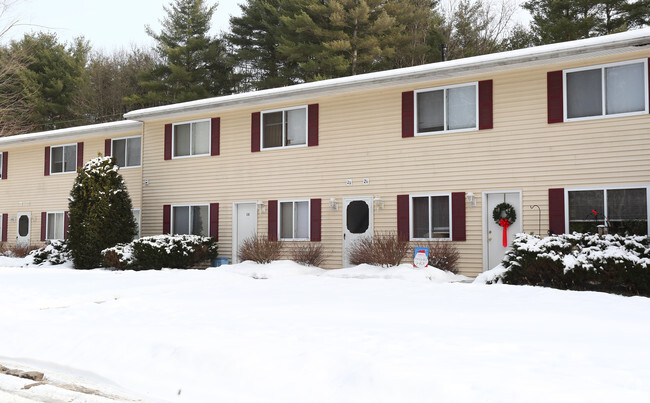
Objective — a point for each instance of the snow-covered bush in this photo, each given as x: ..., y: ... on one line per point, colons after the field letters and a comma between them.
x: 609, y: 263
x: 383, y: 249
x: 259, y: 249
x: 156, y: 252
x: 55, y: 252
x: 100, y: 212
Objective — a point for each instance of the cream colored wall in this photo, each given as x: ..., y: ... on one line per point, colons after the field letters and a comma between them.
x: 27, y: 189
x: 360, y: 137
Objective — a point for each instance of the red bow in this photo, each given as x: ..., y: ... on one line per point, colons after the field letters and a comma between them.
x: 505, y: 224
x: 595, y: 212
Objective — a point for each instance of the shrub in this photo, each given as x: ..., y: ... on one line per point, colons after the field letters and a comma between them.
x: 55, y: 252
x: 156, y: 252
x: 100, y: 212
x: 384, y: 249
x: 259, y: 249
x: 442, y: 255
x: 16, y: 250
x: 309, y: 255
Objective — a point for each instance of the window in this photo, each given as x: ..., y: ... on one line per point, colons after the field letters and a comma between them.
x: 127, y: 151
x: 284, y: 128
x: 612, y: 89
x: 430, y: 217
x: 191, y: 138
x: 453, y: 108
x: 55, y: 226
x: 63, y: 158
x: 192, y: 220
x: 294, y: 220
x: 1, y: 173
x: 623, y: 210
x: 136, y: 217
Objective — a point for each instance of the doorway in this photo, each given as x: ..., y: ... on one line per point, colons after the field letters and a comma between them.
x: 357, y: 222
x: 23, y: 230
x: 494, y: 232
x: 244, y: 225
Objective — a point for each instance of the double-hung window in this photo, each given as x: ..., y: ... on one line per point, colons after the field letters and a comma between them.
x: 444, y: 109
x: 284, y: 128
x: 622, y: 210
x: 55, y: 223
x: 191, y: 138
x: 294, y: 220
x: 607, y: 90
x: 430, y: 217
x: 191, y: 219
x: 127, y: 151
x: 63, y: 158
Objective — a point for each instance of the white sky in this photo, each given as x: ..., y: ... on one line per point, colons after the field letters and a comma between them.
x: 114, y: 24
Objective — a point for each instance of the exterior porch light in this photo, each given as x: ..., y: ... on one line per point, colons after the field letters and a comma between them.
x: 378, y: 203
x: 471, y: 199
x: 261, y: 207
x: 334, y: 204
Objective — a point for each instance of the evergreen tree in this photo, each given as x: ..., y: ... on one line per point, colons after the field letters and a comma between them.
x: 414, y: 20
x: 99, y: 212
x: 193, y: 64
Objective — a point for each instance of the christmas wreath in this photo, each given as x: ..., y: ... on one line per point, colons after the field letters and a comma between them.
x: 504, y: 214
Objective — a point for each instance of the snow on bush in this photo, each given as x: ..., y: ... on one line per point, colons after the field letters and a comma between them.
x: 55, y: 252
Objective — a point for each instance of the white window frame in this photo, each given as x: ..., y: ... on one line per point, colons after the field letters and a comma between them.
x: 444, y: 88
x: 126, y: 150
x: 283, y: 146
x: 47, y: 225
x: 191, y: 139
x: 171, y: 224
x: 76, y: 153
x: 429, y: 195
x: 138, y: 221
x: 602, y: 67
x: 604, y: 189
x: 2, y: 155
x: 293, y: 223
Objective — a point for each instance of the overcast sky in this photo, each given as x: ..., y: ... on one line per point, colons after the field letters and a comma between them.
x: 112, y: 24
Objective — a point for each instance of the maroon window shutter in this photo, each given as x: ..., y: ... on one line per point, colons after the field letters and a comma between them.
x: 485, y: 105
x: 273, y: 220
x: 167, y: 218
x: 168, y: 141
x: 458, y: 216
x: 315, y: 220
x: 107, y: 147
x: 555, y: 97
x: 255, y: 131
x: 312, y: 125
x: 403, y: 231
x: 47, y: 161
x: 407, y: 114
x: 80, y: 154
x: 215, y: 134
x: 5, y: 156
x: 66, y: 224
x: 556, y: 210
x: 5, y: 220
x: 43, y: 226
x: 214, y: 221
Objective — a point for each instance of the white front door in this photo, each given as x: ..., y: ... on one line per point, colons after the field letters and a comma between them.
x: 245, y: 225
x: 495, y: 248
x: 23, y: 229
x: 357, y: 222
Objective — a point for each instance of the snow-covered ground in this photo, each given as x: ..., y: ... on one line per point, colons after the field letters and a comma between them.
x: 286, y: 333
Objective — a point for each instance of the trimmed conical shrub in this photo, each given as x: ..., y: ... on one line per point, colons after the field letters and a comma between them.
x: 99, y: 211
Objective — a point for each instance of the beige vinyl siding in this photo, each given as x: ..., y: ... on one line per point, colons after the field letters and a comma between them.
x: 27, y: 189
x: 360, y: 137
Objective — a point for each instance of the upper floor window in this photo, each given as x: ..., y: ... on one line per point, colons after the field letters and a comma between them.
x: 452, y: 108
x: 622, y: 210
x: 55, y: 226
x: 431, y: 217
x: 284, y: 128
x: 611, y: 89
x: 294, y: 220
x: 191, y: 219
x: 191, y: 138
x: 127, y: 151
x: 63, y: 158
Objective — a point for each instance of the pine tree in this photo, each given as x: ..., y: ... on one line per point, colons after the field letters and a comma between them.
x: 99, y: 212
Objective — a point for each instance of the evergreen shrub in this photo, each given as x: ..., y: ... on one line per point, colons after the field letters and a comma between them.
x: 156, y: 252
x: 55, y: 252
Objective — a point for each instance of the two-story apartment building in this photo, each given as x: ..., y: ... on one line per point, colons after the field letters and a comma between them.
x: 558, y: 132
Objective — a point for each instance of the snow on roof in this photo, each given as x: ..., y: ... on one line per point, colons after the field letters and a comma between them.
x: 546, y: 54
x: 74, y: 132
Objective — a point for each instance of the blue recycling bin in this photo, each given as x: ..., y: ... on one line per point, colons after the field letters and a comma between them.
x: 218, y: 261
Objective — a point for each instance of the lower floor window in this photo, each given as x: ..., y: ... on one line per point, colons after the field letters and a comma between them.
x: 55, y: 226
x: 136, y: 217
x: 192, y: 220
x: 430, y: 217
x: 623, y: 211
x: 294, y: 220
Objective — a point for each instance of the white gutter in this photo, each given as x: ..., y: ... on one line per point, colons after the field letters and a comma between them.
x: 547, y: 54
x: 101, y: 129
